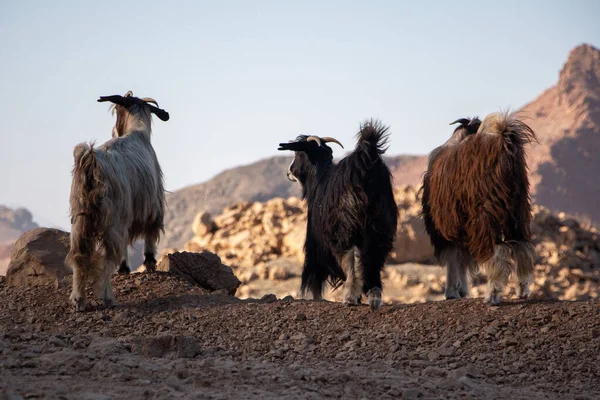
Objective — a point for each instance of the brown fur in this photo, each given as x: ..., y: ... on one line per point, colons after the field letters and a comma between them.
x: 476, y: 190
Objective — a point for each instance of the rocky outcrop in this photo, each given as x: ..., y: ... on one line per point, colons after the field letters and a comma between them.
x: 203, y: 269
x: 38, y: 257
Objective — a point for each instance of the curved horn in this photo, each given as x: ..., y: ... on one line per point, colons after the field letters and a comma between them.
x: 328, y: 139
x: 128, y: 94
x: 314, y: 139
x: 461, y: 120
x: 149, y: 100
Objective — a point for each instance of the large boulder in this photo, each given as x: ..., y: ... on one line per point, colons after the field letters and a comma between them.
x: 203, y: 269
x: 38, y: 257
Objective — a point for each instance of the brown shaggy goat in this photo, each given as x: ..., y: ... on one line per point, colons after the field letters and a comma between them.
x: 476, y: 205
x: 117, y: 195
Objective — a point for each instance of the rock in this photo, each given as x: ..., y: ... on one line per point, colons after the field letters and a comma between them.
x: 154, y: 346
x: 203, y: 224
x: 106, y: 347
x: 38, y: 257
x: 203, y: 269
x: 187, y: 347
x: 411, y: 393
x: 282, y: 269
x: 300, y: 317
x: 173, y: 382
x: 268, y: 298
x: 10, y: 395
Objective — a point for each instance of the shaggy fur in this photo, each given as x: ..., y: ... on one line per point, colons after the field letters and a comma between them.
x: 117, y: 196
x: 352, y: 214
x: 476, y: 204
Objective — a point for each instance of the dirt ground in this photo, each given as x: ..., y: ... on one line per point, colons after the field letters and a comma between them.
x: 168, y: 339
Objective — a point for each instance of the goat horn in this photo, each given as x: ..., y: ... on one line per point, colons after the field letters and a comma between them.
x: 328, y: 139
x: 314, y: 139
x: 149, y: 100
x: 128, y: 94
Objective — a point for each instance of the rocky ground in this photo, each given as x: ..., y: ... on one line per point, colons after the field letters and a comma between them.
x: 168, y: 339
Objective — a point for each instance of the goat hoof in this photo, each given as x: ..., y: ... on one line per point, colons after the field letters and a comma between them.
x: 452, y: 294
x: 109, y: 303
x: 522, y: 290
x: 374, y: 296
x: 78, y: 302
x: 353, y: 301
x: 493, y: 300
x: 150, y: 268
x: 124, y: 269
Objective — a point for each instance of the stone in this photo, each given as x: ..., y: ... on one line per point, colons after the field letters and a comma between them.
x: 203, y: 224
x: 38, y: 257
x: 281, y: 269
x: 202, y: 269
x: 268, y: 298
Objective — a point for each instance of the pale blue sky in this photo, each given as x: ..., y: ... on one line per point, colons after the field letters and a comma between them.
x: 238, y: 77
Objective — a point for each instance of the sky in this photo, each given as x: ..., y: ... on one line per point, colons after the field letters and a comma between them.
x: 239, y: 77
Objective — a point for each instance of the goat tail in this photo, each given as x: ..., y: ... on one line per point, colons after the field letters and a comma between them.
x: 90, y: 207
x: 372, y: 142
x: 510, y: 126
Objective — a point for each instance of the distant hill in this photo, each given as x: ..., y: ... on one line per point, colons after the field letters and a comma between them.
x: 12, y: 224
x: 563, y: 166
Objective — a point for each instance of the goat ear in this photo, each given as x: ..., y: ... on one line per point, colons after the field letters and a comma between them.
x: 293, y: 146
x: 116, y: 98
x: 159, y: 112
x: 462, y: 121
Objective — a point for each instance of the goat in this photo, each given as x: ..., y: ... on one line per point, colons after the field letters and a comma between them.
x: 476, y: 205
x: 352, y: 214
x: 117, y: 195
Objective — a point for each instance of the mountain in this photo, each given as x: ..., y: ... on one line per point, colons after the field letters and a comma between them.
x: 259, y: 181
x: 12, y: 224
x: 565, y: 117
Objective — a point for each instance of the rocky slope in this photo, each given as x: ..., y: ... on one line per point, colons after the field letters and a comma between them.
x: 168, y: 339
x: 566, y: 118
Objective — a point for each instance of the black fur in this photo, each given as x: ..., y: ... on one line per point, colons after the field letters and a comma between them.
x: 350, y: 204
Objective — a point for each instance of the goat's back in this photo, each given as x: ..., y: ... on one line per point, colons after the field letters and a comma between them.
x: 133, y: 180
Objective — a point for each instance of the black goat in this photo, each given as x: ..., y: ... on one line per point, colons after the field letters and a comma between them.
x: 352, y: 214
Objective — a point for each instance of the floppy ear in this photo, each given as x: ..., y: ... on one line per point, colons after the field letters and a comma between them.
x: 117, y: 99
x: 159, y: 112
x: 293, y: 146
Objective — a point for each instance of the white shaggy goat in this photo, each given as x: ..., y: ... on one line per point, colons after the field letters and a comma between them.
x: 117, y: 195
